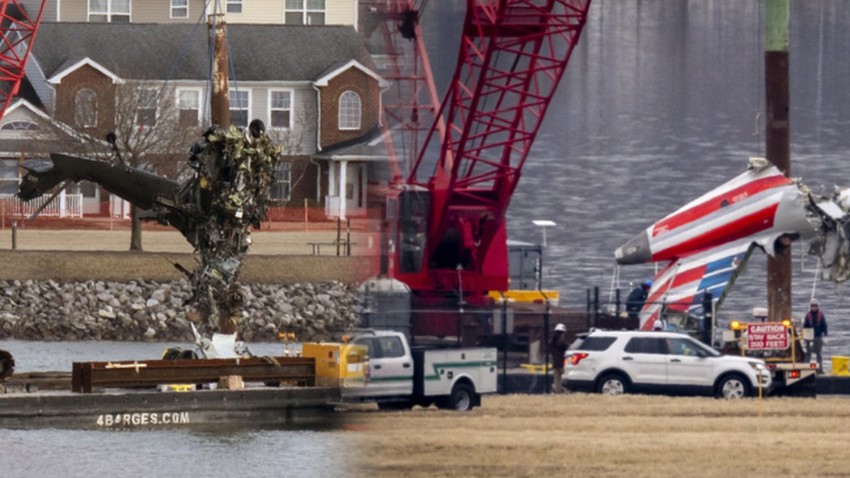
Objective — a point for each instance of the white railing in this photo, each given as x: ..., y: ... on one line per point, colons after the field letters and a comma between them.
x: 64, y: 205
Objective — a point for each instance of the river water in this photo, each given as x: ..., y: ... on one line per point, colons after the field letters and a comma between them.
x: 658, y: 105
x: 222, y: 451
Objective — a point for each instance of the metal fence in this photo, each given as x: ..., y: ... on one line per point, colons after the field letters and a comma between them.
x: 63, y: 205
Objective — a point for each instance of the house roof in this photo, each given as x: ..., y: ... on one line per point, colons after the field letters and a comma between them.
x: 180, y: 51
x: 32, y: 145
x: 340, y: 66
x: 367, y: 147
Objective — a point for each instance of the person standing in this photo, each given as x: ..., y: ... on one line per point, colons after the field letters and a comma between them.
x: 636, y: 299
x: 557, y: 349
x: 817, y: 321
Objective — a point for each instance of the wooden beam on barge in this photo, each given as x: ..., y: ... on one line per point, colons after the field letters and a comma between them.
x: 85, y: 376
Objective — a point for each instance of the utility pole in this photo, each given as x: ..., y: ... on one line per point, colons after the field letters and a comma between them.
x: 219, y: 97
x: 220, y: 113
x: 777, y: 135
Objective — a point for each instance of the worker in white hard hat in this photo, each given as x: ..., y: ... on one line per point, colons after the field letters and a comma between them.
x: 815, y: 319
x: 557, y: 349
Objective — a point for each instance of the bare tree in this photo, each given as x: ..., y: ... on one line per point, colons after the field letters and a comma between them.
x: 148, y: 131
x: 291, y: 142
x: 149, y: 135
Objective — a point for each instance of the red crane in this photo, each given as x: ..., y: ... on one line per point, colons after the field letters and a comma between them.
x: 17, y: 34
x: 451, y: 240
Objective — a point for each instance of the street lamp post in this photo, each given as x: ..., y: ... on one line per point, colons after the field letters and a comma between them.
x: 543, y: 224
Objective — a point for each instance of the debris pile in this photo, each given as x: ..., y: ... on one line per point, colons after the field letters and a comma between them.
x: 234, y: 174
x: 148, y: 310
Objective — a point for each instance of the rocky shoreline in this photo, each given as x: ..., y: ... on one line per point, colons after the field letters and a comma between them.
x: 156, y: 311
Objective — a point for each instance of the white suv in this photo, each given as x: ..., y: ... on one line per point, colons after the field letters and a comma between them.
x: 618, y: 362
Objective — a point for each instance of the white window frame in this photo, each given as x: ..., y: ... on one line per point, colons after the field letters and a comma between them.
x: 155, y: 108
x: 359, y: 112
x: 272, y: 109
x: 20, y: 125
x: 9, y: 174
x: 77, y: 115
x: 247, y: 108
x: 305, y: 11
x: 109, y: 12
x: 173, y: 7
x: 234, y: 3
x: 199, y: 91
x: 277, y: 181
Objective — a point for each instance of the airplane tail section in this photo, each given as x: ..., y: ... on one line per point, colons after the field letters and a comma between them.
x: 681, y: 286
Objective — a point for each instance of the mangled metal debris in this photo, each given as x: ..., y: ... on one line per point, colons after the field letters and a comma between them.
x: 234, y: 173
x: 228, y: 193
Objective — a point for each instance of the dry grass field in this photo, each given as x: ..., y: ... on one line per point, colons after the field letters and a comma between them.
x: 265, y: 243
x: 584, y: 435
x: 275, y: 256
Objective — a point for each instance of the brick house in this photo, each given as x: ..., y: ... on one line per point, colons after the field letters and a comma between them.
x: 316, y: 98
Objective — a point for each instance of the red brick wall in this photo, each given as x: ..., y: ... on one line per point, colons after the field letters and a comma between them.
x: 86, y: 77
x: 364, y: 85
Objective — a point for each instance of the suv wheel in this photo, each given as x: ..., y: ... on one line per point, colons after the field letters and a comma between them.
x: 733, y: 387
x: 613, y: 384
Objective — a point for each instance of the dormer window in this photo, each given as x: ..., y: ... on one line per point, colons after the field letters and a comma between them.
x: 349, y: 111
x: 85, y: 108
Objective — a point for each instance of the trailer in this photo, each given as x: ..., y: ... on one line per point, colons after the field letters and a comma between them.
x: 783, y: 349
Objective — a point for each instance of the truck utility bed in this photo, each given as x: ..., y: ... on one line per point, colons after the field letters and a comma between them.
x: 436, y: 370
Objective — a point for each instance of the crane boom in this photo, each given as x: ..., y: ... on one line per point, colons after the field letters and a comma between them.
x: 452, y: 234
x: 17, y: 34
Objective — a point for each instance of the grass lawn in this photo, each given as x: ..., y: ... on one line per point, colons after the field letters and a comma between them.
x: 594, y: 436
x: 274, y: 257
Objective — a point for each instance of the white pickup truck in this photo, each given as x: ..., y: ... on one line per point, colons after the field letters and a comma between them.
x: 399, y: 377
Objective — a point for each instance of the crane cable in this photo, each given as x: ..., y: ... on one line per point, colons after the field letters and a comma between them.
x: 184, y: 50
x: 815, y: 281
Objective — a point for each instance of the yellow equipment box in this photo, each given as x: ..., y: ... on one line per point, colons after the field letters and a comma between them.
x: 338, y: 365
x: 526, y: 296
x: 840, y: 366
x: 534, y: 368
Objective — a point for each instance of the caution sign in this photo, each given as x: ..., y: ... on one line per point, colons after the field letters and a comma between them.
x: 767, y: 336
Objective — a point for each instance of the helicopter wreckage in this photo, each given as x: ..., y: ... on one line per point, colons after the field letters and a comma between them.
x: 227, y: 193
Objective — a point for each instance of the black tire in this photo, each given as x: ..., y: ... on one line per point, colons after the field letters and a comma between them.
x: 613, y: 384
x: 733, y: 387
x: 461, y: 399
